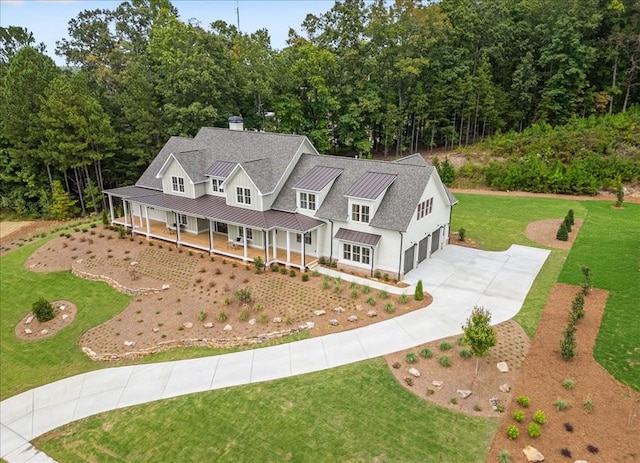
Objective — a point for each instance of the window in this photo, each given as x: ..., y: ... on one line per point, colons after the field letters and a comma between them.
x: 424, y: 208
x: 307, y: 238
x: 182, y: 219
x: 249, y: 233
x: 243, y: 195
x: 308, y: 201
x: 360, y: 213
x: 216, y: 185
x: 356, y: 253
x: 177, y: 184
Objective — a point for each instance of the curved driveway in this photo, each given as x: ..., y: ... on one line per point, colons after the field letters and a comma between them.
x: 458, y: 278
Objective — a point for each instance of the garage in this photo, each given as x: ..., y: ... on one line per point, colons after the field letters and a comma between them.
x: 422, y: 249
x: 409, y: 256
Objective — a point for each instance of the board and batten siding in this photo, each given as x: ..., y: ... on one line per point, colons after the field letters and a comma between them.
x: 175, y: 170
x: 240, y: 179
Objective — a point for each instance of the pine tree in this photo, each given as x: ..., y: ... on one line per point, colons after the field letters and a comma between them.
x: 570, y: 215
x: 563, y: 234
x: 63, y: 206
x: 567, y: 223
x: 419, y: 295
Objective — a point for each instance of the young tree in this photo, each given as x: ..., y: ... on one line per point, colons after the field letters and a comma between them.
x: 63, y: 207
x: 568, y: 344
x: 419, y: 293
x: 563, y: 233
x: 479, y: 334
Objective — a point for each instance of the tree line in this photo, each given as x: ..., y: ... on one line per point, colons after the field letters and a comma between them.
x: 362, y: 78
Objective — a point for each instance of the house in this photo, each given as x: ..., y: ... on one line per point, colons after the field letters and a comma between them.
x: 246, y: 194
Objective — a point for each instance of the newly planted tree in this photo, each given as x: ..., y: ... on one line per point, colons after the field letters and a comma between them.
x: 479, y: 335
x: 419, y: 295
x: 568, y: 344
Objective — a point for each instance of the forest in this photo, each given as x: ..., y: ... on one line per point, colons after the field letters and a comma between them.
x: 369, y: 78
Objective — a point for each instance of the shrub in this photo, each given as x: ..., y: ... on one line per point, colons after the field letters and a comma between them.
x: 403, y: 298
x: 292, y: 273
x: 326, y: 283
x: 383, y: 295
x: 518, y: 415
x: 389, y: 308
x: 419, y: 293
x: 408, y: 380
x: 512, y: 432
x: 258, y: 264
x: 445, y: 346
x: 353, y: 285
x: 462, y: 234
x: 396, y: 365
x: 577, y: 307
x: 561, y: 405
x: 465, y: 353
x: 540, y: 417
x: 426, y: 353
x: 592, y: 449
x: 243, y: 316
x: 534, y: 430
x: 371, y: 301
x: 568, y: 383
x: 354, y: 293
x: 366, y: 289
x: 377, y: 274
x: 477, y: 408
x: 523, y: 401
x: 588, y: 404
x: 563, y: 233
x: 571, y: 216
x: 586, y: 281
x: 568, y: 344
x: 304, y: 277
x: 222, y: 317
x: 453, y: 400
x: 202, y: 315
x: 444, y: 361
x: 411, y: 358
x: 283, y: 271
x: 568, y: 427
x: 104, y: 218
x: 263, y: 318
x: 619, y: 195
x: 274, y: 268
x: 504, y: 457
x: 42, y: 309
x: 243, y: 295
x: 567, y: 223
x: 565, y: 452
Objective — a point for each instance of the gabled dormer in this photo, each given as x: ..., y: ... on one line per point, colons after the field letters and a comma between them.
x: 241, y: 191
x: 312, y: 189
x: 366, y: 195
x: 216, y: 176
x: 182, y: 174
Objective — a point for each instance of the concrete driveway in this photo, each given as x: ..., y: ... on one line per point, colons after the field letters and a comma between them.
x: 458, y: 278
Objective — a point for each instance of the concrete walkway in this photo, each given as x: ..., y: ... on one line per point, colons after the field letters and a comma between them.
x: 458, y: 278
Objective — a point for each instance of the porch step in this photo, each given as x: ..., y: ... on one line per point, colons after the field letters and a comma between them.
x: 313, y: 265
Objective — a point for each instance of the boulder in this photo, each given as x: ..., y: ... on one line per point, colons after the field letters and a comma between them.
x: 155, y: 330
x: 63, y: 307
x: 208, y: 325
x: 310, y: 325
x: 129, y: 343
x: 353, y: 318
x: 333, y: 322
x: 319, y: 312
x: 338, y: 310
x: 45, y: 331
x: 252, y: 321
x: 437, y: 383
x: 414, y: 372
x: 65, y: 316
x: 464, y: 393
x: 533, y: 454
x: 227, y: 328
x: 187, y: 325
x: 29, y: 319
x: 165, y: 286
x: 372, y: 313
x: 504, y: 387
x: 502, y: 367
x: 277, y: 319
x: 133, y: 263
x: 27, y: 331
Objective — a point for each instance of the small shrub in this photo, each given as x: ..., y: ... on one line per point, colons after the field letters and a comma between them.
x: 568, y: 383
x: 534, y: 430
x: 258, y: 264
x: 445, y: 346
x: 371, y: 301
x: 288, y: 321
x: 426, y: 353
x: 462, y: 234
x: 202, y: 315
x: 403, y: 298
x: 222, y: 317
x: 540, y: 417
x: 283, y: 270
x: 366, y: 289
x: 274, y: 268
x: 396, y: 365
x: 518, y: 415
x: 243, y: 295
x: 460, y: 341
x: 499, y: 407
x: 567, y: 223
x: 429, y: 391
x: 377, y: 274
x: 586, y: 281
x: 354, y: 293
x: 568, y: 427
x: 383, y: 295
x: 418, y: 293
x: 512, y: 432
x: 465, y: 353
x: 305, y: 277
x: 411, y: 358
x: 337, y: 288
x: 568, y: 344
x: 263, y: 319
x: 42, y: 309
x: 408, y: 380
x: 561, y: 404
x: 389, y: 308
x: 477, y: 408
x: 523, y: 401
x: 592, y: 448
x: 218, y: 271
x: 504, y: 457
x: 292, y: 273
x: 243, y: 316
x: 453, y: 400
x: 565, y: 452
x: 257, y: 307
x: 577, y: 307
x: 315, y: 273
x: 563, y: 233
x: 444, y: 361
x: 588, y: 404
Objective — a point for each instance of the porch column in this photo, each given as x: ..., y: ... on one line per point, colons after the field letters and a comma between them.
x: 175, y: 214
x: 146, y: 216
x: 126, y: 213
x: 304, y: 247
x: 210, y: 236
x: 275, y: 243
x: 288, y: 247
x: 265, y: 238
x: 429, y: 245
x: 111, y: 208
x: 244, y: 242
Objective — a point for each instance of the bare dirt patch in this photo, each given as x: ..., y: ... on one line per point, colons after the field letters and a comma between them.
x: 30, y: 329
x: 16, y: 234
x: 199, y: 298
x: 544, y: 232
x: 613, y: 426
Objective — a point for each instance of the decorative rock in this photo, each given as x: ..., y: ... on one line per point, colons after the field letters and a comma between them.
x: 89, y: 352
x: 493, y: 401
x: 358, y: 307
x: 580, y: 461
x: 165, y: 286
x: 338, y: 310
x: 414, y: 372
x: 133, y: 263
x: 277, y: 319
x: 27, y: 331
x: 79, y: 261
x: 65, y: 316
x: 464, y: 393
x: 310, y: 325
x: 187, y: 325
x: 533, y: 454
x: 29, y: 319
x: 155, y: 330
x: 503, y: 367
x: 504, y: 387
x: 63, y: 307
x: 208, y: 325
x: 129, y: 343
x: 319, y: 312
x: 252, y: 321
x: 45, y: 331
x: 353, y: 318
x: 333, y: 322
x: 227, y: 328
x: 437, y: 383
x: 372, y: 313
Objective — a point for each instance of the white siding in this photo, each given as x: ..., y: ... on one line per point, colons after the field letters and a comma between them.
x: 175, y: 170
x: 240, y: 179
x: 200, y: 189
x: 209, y: 189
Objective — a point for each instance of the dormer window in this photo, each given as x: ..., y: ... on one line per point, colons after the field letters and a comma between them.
x: 216, y: 185
x: 243, y: 195
x: 177, y: 184
x: 360, y: 213
x: 308, y: 201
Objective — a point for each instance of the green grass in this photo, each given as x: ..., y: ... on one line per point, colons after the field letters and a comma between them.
x: 497, y: 222
x: 352, y: 413
x: 609, y: 244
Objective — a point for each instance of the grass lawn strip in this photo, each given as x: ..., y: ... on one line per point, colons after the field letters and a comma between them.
x: 352, y: 413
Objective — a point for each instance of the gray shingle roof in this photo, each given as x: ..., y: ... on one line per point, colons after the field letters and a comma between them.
x: 370, y: 185
x: 415, y: 159
x: 211, y: 144
x: 318, y: 178
x: 396, y: 209
x: 358, y: 237
x: 452, y: 199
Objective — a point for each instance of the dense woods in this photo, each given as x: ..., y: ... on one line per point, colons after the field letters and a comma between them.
x: 385, y: 78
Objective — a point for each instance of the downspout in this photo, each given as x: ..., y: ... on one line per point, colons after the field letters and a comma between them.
x: 400, y: 260
x: 331, y: 247
x: 450, y: 215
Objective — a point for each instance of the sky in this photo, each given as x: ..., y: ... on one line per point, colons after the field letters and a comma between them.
x: 48, y: 19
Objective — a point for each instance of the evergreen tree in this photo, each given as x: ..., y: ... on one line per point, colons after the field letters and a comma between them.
x: 563, y: 234
x: 568, y: 344
x: 63, y: 206
x: 419, y: 293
